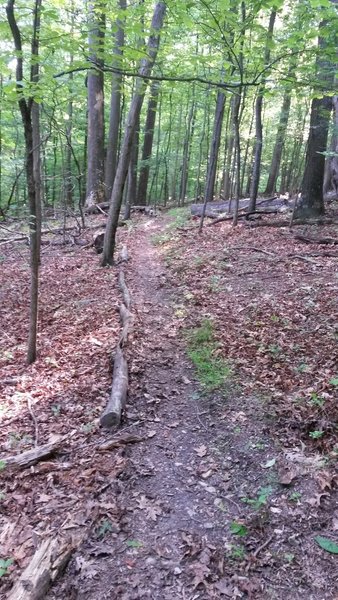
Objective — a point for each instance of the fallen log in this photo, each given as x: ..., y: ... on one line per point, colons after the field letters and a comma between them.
x: 311, y: 240
x: 31, y: 457
x: 124, y: 289
x: 118, y: 396
x: 127, y: 324
x: 119, y: 441
x: 48, y: 561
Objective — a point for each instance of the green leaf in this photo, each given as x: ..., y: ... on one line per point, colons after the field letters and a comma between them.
x: 334, y: 381
x: 327, y: 544
x: 134, y: 544
x: 238, y: 529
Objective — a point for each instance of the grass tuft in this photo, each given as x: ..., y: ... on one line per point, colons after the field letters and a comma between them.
x: 212, y: 370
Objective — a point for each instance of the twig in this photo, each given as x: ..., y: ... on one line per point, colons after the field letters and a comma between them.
x: 36, y: 426
x: 262, y: 546
x: 253, y: 249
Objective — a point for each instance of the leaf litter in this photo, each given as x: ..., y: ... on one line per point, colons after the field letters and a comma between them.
x: 169, y: 536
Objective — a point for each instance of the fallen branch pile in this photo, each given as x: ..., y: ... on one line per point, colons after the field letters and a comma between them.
x: 118, y: 396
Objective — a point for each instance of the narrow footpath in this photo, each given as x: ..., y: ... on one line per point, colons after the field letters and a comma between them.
x: 189, y: 527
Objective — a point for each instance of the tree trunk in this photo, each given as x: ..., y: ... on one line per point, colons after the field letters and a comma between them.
x: 214, y: 147
x: 148, y: 144
x: 132, y: 172
x: 312, y: 200
x: 134, y: 112
x: 186, y: 150
x: 115, y: 107
x: 279, y: 144
x: 30, y: 119
x: 95, y: 139
x: 256, y: 171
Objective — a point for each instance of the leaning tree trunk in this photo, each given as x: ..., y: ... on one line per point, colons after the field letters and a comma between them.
x: 95, y: 135
x: 115, y: 108
x: 126, y: 147
x: 148, y: 144
x: 256, y: 171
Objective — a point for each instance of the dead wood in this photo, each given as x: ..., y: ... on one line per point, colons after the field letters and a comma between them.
x: 48, y: 561
x: 252, y: 248
x: 321, y: 221
x: 312, y: 240
x: 127, y: 324
x: 118, y: 397
x: 124, y: 257
x: 122, y: 440
x: 30, y: 457
x: 98, y: 239
x: 124, y: 289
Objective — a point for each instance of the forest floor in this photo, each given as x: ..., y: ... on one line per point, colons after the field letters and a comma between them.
x: 230, y: 490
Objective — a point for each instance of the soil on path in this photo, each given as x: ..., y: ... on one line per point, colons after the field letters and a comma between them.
x: 192, y: 526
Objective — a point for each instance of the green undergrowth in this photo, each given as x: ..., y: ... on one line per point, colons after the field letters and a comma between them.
x: 212, y: 370
x: 178, y: 218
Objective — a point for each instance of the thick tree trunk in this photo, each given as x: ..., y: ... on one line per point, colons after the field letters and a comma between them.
x: 312, y: 202
x: 256, y: 171
x: 134, y: 113
x: 115, y: 108
x: 148, y: 144
x: 95, y: 135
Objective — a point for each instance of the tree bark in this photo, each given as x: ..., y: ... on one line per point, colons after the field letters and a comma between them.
x: 30, y: 119
x: 256, y: 171
x: 148, y: 144
x: 214, y: 148
x: 115, y: 107
x: 95, y: 135
x: 279, y: 144
x: 312, y: 200
x: 134, y: 112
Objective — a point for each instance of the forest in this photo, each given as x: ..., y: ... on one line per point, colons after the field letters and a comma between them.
x: 168, y: 251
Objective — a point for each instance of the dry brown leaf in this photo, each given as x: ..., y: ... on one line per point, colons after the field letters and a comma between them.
x: 201, y: 451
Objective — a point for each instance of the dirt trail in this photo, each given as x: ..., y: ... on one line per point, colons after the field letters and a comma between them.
x: 185, y: 484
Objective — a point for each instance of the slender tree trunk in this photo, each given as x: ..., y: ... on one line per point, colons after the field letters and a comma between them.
x: 190, y: 126
x: 214, y: 148
x: 279, y: 144
x: 132, y: 172
x: 177, y: 154
x: 148, y: 143
x: 256, y: 171
x: 95, y: 141
x: 29, y: 110
x: 115, y: 107
x: 134, y: 113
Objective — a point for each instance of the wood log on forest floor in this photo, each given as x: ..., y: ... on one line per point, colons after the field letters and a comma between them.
x: 30, y: 457
x: 118, y: 396
x: 311, y: 240
x: 48, y: 561
x: 112, y: 414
